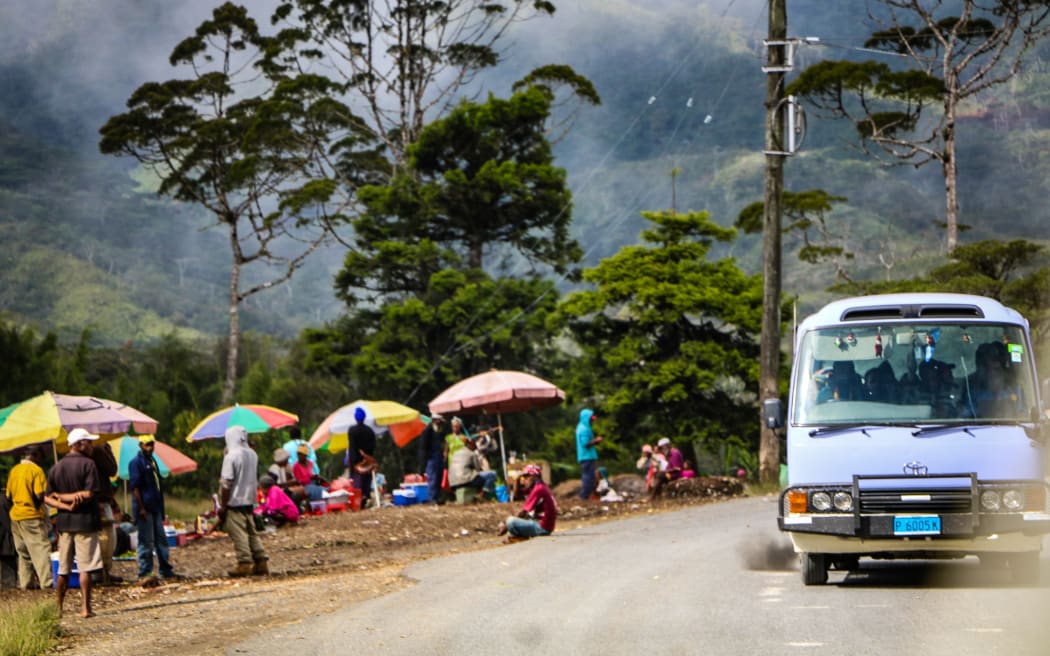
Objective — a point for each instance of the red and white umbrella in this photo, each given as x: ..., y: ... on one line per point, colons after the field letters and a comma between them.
x: 498, y: 391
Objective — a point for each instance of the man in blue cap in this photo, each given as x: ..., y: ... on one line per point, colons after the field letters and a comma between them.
x: 360, y: 453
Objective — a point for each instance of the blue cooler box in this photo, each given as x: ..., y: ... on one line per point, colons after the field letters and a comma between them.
x: 404, y: 497
x: 74, y: 576
x: 420, y: 490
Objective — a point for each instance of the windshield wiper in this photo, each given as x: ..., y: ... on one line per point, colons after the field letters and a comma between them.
x: 930, y: 431
x: 827, y: 431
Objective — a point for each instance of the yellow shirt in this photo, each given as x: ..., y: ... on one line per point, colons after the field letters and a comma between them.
x: 26, y: 479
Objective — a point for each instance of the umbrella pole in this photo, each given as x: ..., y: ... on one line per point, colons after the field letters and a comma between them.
x: 502, y: 452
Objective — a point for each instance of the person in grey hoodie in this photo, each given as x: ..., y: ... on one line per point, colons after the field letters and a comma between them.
x: 237, y: 486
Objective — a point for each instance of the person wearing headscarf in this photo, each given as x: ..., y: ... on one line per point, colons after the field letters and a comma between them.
x: 455, y: 440
x: 238, y: 483
x: 360, y: 452
x: 586, y: 454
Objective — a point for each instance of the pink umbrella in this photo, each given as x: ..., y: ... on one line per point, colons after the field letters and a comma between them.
x: 498, y: 391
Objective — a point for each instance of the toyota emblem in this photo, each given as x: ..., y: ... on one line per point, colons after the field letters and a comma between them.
x: 916, y: 469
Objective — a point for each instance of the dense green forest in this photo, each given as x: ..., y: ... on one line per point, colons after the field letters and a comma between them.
x: 108, y: 287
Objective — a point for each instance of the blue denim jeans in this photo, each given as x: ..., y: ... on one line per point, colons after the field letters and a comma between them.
x: 588, y: 469
x: 524, y: 528
x: 153, y: 540
x: 486, y: 480
x: 435, y: 469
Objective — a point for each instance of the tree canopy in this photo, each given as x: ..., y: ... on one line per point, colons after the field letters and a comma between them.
x: 668, y: 340
x: 956, y: 52
x: 260, y: 145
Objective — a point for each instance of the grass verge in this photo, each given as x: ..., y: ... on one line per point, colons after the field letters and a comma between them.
x: 28, y: 627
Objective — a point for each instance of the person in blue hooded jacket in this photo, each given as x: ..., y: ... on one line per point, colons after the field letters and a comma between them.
x: 586, y: 454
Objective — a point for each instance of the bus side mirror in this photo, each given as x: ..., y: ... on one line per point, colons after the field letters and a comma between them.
x: 773, y: 412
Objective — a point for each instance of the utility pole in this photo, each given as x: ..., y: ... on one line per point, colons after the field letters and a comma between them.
x: 769, y: 358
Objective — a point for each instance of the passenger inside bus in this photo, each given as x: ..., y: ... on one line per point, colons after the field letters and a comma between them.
x: 991, y: 390
x: 937, y: 387
x: 843, y: 383
x: 881, y: 385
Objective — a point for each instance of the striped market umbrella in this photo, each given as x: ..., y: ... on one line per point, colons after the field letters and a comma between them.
x: 403, y: 423
x: 50, y: 416
x: 170, y: 461
x: 254, y: 419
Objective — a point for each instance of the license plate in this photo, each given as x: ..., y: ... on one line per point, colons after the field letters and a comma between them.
x: 917, y: 525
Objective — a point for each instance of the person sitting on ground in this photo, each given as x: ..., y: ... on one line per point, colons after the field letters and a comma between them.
x: 277, y: 507
x: 304, y: 473
x: 673, y: 470
x: 538, y: 514
x: 466, y: 470
x: 650, y: 463
x: 284, y: 476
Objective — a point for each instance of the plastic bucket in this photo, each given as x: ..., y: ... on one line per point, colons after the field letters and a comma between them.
x: 501, y: 494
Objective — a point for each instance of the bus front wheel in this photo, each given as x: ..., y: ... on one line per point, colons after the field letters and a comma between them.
x: 814, y: 568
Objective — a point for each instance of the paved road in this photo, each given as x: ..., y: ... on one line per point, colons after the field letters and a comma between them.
x: 715, y: 579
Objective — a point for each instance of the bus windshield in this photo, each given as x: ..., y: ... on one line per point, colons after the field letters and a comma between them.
x: 929, y: 372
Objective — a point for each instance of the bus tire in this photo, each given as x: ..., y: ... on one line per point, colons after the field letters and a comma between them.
x: 814, y: 568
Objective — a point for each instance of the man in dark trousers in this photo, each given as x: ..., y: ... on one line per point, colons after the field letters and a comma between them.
x: 147, y: 507
x: 360, y: 454
x: 71, y: 486
x: 432, y: 455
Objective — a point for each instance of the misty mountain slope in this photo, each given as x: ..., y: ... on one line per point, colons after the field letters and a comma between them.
x: 682, y: 92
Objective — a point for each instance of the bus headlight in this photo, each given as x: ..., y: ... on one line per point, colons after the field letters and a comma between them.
x: 990, y: 500
x: 821, y: 501
x: 843, y: 501
x: 1013, y: 500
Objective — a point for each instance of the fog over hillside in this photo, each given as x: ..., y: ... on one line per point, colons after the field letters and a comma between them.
x: 682, y: 93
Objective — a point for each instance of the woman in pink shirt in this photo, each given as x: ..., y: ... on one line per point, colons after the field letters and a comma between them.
x: 276, y: 506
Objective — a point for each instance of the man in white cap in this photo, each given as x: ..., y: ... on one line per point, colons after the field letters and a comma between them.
x: 71, y: 486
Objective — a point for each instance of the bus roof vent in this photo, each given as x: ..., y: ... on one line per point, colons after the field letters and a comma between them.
x: 951, y: 311
x: 869, y: 313
x: 913, y: 311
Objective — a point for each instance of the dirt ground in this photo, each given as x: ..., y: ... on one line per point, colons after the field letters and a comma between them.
x: 316, y: 567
